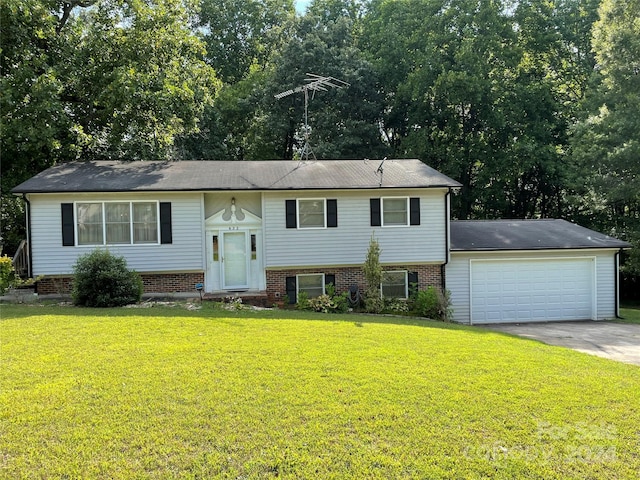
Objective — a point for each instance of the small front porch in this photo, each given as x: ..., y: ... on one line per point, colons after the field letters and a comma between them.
x: 254, y: 298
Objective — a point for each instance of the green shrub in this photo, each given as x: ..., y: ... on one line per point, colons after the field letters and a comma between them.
x: 101, y: 279
x: 432, y: 303
x: 329, y: 302
x: 340, y: 300
x: 321, y: 303
x: 303, y: 301
x: 7, y: 274
x: 395, y: 305
x: 372, y: 271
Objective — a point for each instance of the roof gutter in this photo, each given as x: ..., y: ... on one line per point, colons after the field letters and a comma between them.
x: 616, y: 277
x: 27, y: 213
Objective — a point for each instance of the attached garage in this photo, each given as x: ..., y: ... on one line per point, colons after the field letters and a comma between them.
x: 508, y: 271
x: 538, y: 290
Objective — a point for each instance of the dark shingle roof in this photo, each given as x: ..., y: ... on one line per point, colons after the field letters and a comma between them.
x: 546, y: 234
x: 229, y: 175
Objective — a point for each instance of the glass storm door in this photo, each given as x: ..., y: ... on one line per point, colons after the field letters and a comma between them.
x: 235, y: 260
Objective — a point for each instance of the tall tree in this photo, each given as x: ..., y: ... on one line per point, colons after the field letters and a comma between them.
x: 241, y: 38
x: 344, y: 121
x: 484, y: 93
x: 606, y: 142
x: 136, y: 78
x: 447, y: 85
x: 121, y: 79
x: 242, y: 33
x: 35, y: 128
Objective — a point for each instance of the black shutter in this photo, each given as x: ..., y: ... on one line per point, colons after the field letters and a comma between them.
x: 166, y: 235
x: 329, y: 278
x: 414, y: 211
x: 375, y: 212
x: 412, y: 279
x: 68, y: 239
x: 291, y: 289
x: 332, y: 213
x: 290, y: 206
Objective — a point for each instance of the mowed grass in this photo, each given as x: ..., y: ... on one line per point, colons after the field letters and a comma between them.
x: 168, y: 393
x: 631, y: 314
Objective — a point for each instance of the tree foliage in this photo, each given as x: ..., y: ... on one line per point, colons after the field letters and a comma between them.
x: 531, y: 105
x: 240, y: 34
x: 372, y: 272
x: 606, y: 140
x: 99, y: 79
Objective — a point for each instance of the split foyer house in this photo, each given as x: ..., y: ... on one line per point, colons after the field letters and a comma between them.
x: 280, y: 227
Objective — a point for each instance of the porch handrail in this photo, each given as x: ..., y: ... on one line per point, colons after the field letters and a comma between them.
x: 21, y: 260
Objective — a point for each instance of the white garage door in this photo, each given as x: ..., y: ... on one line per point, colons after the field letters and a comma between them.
x: 532, y: 290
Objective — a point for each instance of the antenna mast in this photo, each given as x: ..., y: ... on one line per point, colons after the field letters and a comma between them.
x: 314, y: 84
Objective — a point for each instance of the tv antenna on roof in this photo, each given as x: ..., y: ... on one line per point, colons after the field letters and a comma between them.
x: 315, y: 83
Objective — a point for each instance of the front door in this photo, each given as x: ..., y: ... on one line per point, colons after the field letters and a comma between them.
x: 235, y: 260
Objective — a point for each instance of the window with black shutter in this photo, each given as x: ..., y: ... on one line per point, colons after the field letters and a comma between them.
x: 68, y: 235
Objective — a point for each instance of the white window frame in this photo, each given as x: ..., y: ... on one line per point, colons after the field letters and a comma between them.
x: 324, y: 213
x: 406, y: 283
x: 104, y: 223
x: 309, y: 275
x: 407, y: 211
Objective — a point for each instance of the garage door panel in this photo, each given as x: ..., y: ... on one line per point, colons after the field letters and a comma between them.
x: 532, y: 290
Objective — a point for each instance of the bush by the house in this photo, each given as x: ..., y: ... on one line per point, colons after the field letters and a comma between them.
x: 329, y: 302
x: 7, y: 274
x: 396, y: 306
x: 101, y: 279
x: 432, y: 303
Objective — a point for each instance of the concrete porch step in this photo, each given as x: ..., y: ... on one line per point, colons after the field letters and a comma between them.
x: 257, y: 299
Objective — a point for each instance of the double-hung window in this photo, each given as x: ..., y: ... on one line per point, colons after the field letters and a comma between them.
x: 311, y: 284
x: 117, y: 223
x: 395, y: 284
x: 398, y: 284
x: 310, y: 213
x: 395, y: 211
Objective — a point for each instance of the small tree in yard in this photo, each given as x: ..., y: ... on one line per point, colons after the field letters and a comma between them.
x: 372, y: 270
x: 101, y: 279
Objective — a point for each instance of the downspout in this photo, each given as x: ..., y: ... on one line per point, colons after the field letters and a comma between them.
x: 446, y: 241
x: 27, y: 213
x: 616, y: 265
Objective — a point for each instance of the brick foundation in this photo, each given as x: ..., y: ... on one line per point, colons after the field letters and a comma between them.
x: 153, y: 283
x: 171, y: 282
x: 54, y: 286
x: 347, y: 276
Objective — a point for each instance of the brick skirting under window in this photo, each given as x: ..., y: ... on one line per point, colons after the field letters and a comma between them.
x: 153, y: 283
x: 347, y: 276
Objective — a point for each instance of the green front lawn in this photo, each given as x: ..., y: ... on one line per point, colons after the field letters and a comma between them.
x: 631, y: 314
x: 168, y: 393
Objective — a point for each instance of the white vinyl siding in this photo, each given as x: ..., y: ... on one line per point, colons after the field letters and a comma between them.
x: 348, y: 243
x: 602, y: 300
x: 185, y: 253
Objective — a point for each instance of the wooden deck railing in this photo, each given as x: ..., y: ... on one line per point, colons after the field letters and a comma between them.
x: 21, y: 260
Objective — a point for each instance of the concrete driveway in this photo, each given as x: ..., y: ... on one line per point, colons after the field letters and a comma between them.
x: 617, y: 341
